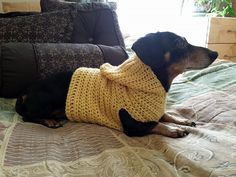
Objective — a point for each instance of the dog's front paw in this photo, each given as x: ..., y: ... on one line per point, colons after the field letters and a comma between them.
x: 51, y: 123
x: 170, y: 131
x: 175, y: 132
x: 189, y: 123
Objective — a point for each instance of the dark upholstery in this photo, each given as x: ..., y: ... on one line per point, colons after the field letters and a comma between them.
x: 23, y: 63
x: 47, y: 27
x: 95, y: 23
x: 15, y: 14
x: 18, y: 68
x: 52, y: 42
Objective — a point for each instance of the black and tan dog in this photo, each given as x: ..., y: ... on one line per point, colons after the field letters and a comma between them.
x: 159, y: 58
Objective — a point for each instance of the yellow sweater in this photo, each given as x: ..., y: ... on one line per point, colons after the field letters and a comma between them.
x: 97, y: 95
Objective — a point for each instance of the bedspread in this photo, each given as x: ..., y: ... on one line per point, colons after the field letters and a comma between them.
x: 78, y: 149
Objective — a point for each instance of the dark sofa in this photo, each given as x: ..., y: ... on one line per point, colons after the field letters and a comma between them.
x: 63, y: 37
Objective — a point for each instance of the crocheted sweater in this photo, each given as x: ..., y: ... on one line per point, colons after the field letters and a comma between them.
x: 97, y: 95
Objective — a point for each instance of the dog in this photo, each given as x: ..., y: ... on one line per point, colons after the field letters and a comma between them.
x: 163, y: 54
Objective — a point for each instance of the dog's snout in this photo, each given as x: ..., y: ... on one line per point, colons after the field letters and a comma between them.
x: 213, y: 55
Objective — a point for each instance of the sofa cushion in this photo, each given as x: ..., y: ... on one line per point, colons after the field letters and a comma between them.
x: 23, y: 63
x: 18, y: 67
x: 95, y: 23
x: 53, y: 58
x: 46, y: 27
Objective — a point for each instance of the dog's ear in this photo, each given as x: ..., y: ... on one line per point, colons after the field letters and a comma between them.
x: 149, y: 49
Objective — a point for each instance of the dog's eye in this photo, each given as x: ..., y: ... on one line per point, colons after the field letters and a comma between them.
x: 181, y: 43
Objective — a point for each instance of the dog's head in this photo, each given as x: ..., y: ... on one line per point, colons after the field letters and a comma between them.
x: 169, y: 55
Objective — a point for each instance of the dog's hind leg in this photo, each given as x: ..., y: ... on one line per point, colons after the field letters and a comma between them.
x: 181, y: 121
x: 51, y: 123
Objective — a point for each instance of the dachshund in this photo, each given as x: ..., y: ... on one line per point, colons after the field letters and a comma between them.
x: 165, y: 53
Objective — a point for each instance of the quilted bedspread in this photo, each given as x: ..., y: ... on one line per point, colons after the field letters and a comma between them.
x: 78, y: 150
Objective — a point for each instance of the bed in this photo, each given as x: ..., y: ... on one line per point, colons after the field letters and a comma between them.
x: 79, y: 149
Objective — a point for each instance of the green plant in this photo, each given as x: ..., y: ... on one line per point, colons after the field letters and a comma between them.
x: 216, y: 7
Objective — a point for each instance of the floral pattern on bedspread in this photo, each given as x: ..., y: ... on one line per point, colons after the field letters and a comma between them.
x: 206, y: 96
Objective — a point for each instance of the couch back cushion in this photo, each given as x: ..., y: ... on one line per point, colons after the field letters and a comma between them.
x: 46, y: 27
x: 95, y: 23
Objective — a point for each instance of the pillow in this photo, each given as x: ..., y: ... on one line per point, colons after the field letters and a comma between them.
x: 46, y: 27
x: 95, y: 23
x: 21, y: 7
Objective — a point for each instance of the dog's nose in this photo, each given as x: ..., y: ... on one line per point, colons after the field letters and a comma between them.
x: 213, y: 55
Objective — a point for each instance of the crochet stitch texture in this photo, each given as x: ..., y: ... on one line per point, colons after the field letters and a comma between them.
x: 97, y: 95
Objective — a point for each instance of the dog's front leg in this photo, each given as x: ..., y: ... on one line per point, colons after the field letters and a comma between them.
x: 180, y: 121
x: 170, y: 131
x: 133, y: 127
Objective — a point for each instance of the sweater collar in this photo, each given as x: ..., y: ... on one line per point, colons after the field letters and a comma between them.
x: 133, y: 73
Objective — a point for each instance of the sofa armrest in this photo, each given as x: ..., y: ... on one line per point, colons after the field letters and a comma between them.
x: 24, y: 63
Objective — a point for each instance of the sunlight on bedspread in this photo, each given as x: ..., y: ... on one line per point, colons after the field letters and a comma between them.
x: 207, y: 96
